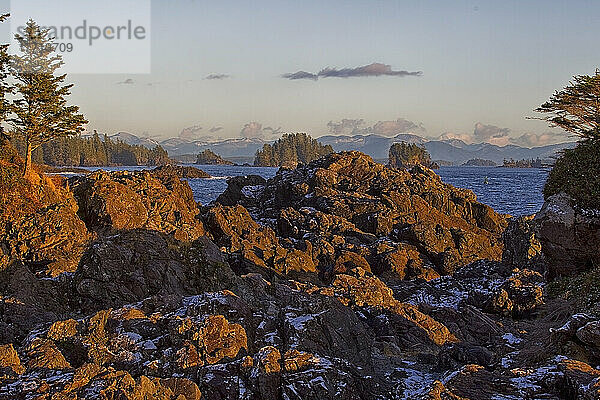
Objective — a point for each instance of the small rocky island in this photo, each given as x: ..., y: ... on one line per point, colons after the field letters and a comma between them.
x: 342, y: 278
x: 207, y: 157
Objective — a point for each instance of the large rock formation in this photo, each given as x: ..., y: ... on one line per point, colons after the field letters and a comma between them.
x: 570, y: 236
x: 348, y: 203
x: 130, y: 200
x: 341, y: 279
x: 39, y: 225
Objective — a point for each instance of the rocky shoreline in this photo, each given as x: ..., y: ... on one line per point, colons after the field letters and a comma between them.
x: 338, y: 279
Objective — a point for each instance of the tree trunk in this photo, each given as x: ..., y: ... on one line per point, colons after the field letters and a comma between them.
x: 28, y: 166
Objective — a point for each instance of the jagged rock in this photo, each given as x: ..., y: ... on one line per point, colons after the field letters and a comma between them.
x: 132, y: 265
x: 155, y: 338
x: 349, y: 196
x: 39, y: 225
x: 217, y: 338
x: 179, y: 171
x: 360, y: 289
x: 234, y: 192
x: 570, y: 237
x: 63, y: 329
x: 590, y: 333
x: 129, y: 200
x: 579, y: 380
x: 43, y: 353
x: 522, y: 249
x: 365, y: 289
x: 256, y: 247
x: 519, y: 295
x: 10, y: 363
x: 404, y: 261
x: 268, y: 371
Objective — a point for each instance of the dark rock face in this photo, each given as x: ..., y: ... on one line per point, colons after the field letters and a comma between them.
x: 234, y: 194
x: 133, y: 265
x: 522, y: 248
x: 570, y: 237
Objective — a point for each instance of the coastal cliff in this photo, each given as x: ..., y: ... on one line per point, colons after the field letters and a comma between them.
x: 339, y: 279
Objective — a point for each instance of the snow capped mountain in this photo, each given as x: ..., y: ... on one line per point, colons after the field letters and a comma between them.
x: 455, y: 151
x: 134, y: 140
x: 236, y: 147
x: 452, y: 150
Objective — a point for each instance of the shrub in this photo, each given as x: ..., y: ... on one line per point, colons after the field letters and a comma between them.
x: 577, y: 173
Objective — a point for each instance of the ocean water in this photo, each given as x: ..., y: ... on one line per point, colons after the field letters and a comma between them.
x: 514, y: 191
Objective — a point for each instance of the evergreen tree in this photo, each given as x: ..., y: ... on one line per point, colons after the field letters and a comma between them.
x: 41, y: 113
x: 5, y: 87
x: 290, y: 150
x: 404, y: 155
x: 576, y: 108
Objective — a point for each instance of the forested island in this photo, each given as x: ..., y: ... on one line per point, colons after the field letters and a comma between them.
x: 479, y: 162
x: 290, y: 150
x: 93, y: 151
x: 404, y: 155
x: 537, y: 163
x: 208, y: 157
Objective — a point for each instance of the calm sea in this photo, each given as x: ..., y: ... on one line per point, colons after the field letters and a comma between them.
x: 515, y: 191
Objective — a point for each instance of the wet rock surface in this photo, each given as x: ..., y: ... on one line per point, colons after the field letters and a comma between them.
x: 341, y: 279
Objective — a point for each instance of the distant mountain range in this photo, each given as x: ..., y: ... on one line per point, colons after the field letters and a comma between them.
x: 452, y: 151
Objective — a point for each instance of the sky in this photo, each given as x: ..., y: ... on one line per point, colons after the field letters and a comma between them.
x: 473, y: 69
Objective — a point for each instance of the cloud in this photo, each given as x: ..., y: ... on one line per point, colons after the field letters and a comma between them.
x: 465, y: 137
x: 252, y: 130
x: 273, y: 131
x: 374, y: 69
x: 502, y: 136
x: 127, y: 81
x: 215, y: 129
x: 217, y: 76
x: 542, y: 139
x: 384, y: 128
x: 391, y: 128
x: 190, y: 133
x: 491, y: 134
x: 256, y: 130
x: 300, y: 75
x: 345, y: 126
